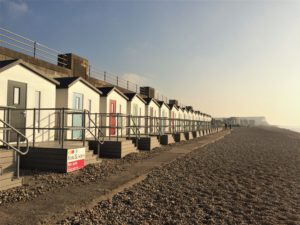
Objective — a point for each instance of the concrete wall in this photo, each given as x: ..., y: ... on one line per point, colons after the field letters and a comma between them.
x: 34, y: 83
x: 45, y: 67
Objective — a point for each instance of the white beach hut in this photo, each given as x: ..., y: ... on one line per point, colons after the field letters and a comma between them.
x: 174, y: 114
x: 136, y: 106
x: 164, y: 110
x: 113, y: 108
x: 27, y: 90
x: 152, y: 113
x: 77, y: 94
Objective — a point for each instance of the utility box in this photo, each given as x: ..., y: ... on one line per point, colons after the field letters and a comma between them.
x: 190, y: 108
x: 147, y: 91
x: 78, y: 65
x: 173, y: 102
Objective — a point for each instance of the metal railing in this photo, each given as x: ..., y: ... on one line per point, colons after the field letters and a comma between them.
x: 37, y: 50
x: 8, y: 128
x: 135, y: 129
x: 98, y: 136
x: 31, y: 47
x: 62, y: 124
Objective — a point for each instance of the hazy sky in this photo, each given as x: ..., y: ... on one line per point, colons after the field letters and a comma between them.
x: 226, y: 58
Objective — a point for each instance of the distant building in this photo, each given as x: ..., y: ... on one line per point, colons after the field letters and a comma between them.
x: 245, y: 121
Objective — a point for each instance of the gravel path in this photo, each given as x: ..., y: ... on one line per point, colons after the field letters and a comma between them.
x: 250, y: 177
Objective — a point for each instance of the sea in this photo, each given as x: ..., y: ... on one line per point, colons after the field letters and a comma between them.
x: 293, y: 128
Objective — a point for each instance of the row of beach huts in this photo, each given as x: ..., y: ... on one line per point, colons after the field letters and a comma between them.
x: 63, y: 123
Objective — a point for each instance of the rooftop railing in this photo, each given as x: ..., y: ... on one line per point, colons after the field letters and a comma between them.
x: 30, y: 47
x: 40, y: 51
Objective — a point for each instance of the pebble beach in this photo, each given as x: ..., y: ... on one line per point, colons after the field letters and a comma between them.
x: 250, y: 177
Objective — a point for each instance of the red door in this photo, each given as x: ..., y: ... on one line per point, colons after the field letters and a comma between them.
x: 112, y: 117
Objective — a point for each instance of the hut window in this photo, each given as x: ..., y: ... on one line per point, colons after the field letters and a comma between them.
x: 16, y: 96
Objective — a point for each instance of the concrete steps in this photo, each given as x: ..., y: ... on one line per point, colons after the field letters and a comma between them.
x: 114, y: 149
x: 147, y: 143
x: 7, y: 170
x: 195, y: 134
x: 188, y: 135
x: 91, y: 157
x: 178, y: 137
x: 166, y: 139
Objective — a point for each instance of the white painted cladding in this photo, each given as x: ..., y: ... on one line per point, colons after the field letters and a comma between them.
x: 91, y: 101
x: 164, y: 113
x: 151, y: 123
x: 121, y: 108
x: 155, y: 109
x: 34, y: 83
x: 140, y: 105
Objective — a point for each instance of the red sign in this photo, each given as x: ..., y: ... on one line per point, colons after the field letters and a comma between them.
x: 75, y: 159
x: 76, y: 165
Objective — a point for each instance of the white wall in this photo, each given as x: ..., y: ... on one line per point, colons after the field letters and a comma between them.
x: 34, y: 83
x: 88, y: 94
x: 176, y: 123
x: 64, y: 99
x: 151, y: 122
x: 141, y: 113
x: 164, y: 112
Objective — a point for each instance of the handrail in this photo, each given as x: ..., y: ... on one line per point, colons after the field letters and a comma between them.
x: 137, y: 131
x: 19, y: 133
x: 158, y: 128
x: 16, y: 149
x: 100, y: 133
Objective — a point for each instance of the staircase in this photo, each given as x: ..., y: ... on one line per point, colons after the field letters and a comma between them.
x: 7, y: 170
x: 147, y: 143
x: 91, y: 157
x: 166, y: 139
x: 115, y: 148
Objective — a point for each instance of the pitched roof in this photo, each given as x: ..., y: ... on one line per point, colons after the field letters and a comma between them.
x: 6, y: 64
x: 66, y: 82
x: 130, y: 96
x: 106, y: 90
x: 163, y: 103
x: 148, y: 100
x: 174, y: 106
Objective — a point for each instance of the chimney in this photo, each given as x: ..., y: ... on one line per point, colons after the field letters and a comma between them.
x: 173, y: 101
x: 147, y: 91
x: 78, y: 65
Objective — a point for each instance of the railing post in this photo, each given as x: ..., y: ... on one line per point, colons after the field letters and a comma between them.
x: 34, y: 49
x: 117, y: 126
x: 62, y: 127
x: 18, y: 157
x: 129, y: 125
x: 117, y: 81
x: 104, y: 76
x: 34, y: 118
x: 96, y: 125
x: 127, y: 85
x: 83, y: 128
